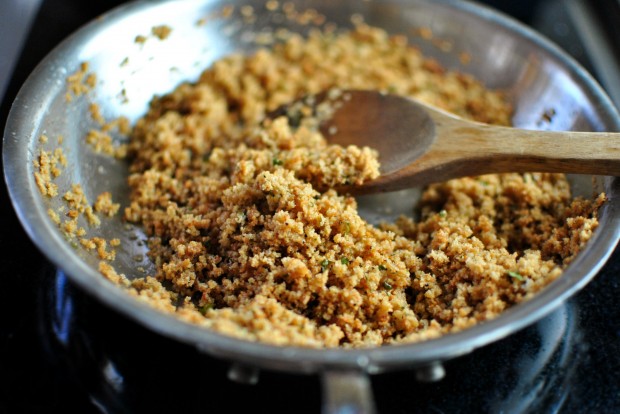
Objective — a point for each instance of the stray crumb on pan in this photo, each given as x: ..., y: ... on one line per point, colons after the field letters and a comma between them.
x: 48, y: 165
x: 95, y: 113
x: 111, y: 274
x: 80, y: 82
x: 102, y: 142
x: 76, y: 206
x: 105, y: 205
x: 160, y: 32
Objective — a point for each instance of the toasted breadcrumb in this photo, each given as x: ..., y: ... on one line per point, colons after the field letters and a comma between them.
x: 80, y: 82
x: 102, y: 142
x: 95, y: 113
x: 105, y: 205
x: 110, y: 273
x: 48, y: 166
x: 120, y: 124
x: 161, y: 32
x: 100, y: 245
x: 54, y: 216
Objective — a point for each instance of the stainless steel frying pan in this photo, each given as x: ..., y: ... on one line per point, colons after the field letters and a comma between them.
x: 504, y: 54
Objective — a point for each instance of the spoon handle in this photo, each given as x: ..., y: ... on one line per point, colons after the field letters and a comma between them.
x: 504, y: 149
x: 467, y: 148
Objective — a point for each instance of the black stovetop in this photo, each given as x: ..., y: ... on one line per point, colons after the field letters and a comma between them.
x: 60, y: 350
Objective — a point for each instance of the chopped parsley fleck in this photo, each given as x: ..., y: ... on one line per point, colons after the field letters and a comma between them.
x: 516, y: 275
x: 381, y: 267
x: 277, y: 161
x: 203, y: 309
x: 324, y: 264
x: 294, y: 119
x: 387, y: 285
x: 344, y: 261
x: 443, y: 213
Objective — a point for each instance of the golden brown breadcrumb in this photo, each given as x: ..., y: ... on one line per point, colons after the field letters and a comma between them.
x: 80, y: 82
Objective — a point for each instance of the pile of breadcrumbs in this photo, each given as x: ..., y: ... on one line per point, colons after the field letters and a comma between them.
x: 250, y: 240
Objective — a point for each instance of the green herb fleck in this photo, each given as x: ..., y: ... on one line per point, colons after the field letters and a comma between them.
x: 294, y: 118
x: 277, y: 161
x: 387, y: 285
x: 324, y: 264
x: 516, y: 275
x: 443, y: 213
x: 205, y: 308
x: 242, y: 216
x: 317, y: 197
x: 344, y: 261
x: 381, y: 267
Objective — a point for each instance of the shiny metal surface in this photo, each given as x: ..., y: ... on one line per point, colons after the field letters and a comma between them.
x: 598, y: 45
x: 16, y: 16
x: 504, y: 54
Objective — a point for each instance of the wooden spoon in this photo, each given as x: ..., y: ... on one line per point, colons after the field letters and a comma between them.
x: 419, y: 144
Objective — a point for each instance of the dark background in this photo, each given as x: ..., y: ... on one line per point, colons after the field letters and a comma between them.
x: 41, y: 373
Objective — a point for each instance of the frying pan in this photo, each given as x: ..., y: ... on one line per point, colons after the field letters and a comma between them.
x: 504, y: 54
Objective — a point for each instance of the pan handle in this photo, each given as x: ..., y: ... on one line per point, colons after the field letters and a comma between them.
x: 347, y: 392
